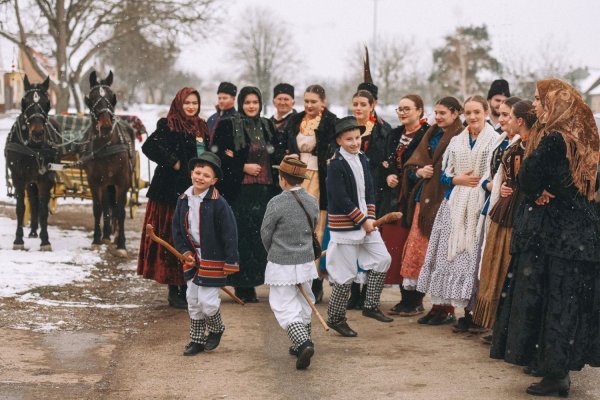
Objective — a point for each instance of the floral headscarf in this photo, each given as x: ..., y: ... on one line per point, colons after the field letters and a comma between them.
x: 178, y: 121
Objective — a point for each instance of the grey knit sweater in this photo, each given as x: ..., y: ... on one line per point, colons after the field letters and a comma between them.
x: 285, y: 232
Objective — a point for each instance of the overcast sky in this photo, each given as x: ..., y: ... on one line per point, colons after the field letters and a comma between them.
x: 325, y: 31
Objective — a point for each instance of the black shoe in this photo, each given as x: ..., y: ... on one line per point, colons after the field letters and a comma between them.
x: 397, y: 309
x: 175, y: 299
x: 549, y: 386
x: 212, y: 341
x: 293, y: 351
x: 442, y: 318
x: 532, y: 371
x: 193, y: 348
x: 412, y: 311
x: 487, y: 339
x: 424, y: 320
x: 247, y: 295
x: 342, y: 328
x: 463, y: 324
x: 376, y: 313
x: 305, y: 352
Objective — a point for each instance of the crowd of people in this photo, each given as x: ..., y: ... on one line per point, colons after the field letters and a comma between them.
x: 497, y: 197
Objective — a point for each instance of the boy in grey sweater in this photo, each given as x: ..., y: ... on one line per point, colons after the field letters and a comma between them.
x: 287, y: 236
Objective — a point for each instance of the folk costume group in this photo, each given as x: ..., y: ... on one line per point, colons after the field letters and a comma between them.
x: 498, y: 217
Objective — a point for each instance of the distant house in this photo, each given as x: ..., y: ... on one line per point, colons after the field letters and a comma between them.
x: 590, y: 89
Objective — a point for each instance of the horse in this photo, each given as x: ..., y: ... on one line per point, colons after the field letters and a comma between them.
x: 30, y: 146
x: 107, y: 161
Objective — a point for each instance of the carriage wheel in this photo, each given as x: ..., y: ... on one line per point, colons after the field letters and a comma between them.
x: 52, y: 205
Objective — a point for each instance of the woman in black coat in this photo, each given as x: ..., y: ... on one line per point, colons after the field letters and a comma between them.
x: 177, y: 139
x: 246, y: 145
x: 310, y: 136
x: 549, y: 316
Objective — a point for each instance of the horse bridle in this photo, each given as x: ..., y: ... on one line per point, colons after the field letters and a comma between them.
x: 40, y: 112
x: 109, y: 108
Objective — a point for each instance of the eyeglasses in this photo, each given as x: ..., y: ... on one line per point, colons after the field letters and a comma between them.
x: 404, y: 110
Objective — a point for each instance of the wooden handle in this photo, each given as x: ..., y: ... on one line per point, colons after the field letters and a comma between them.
x: 388, y: 218
x: 312, y: 306
x: 181, y: 257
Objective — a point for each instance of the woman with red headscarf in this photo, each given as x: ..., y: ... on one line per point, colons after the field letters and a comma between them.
x: 177, y: 139
x: 549, y: 316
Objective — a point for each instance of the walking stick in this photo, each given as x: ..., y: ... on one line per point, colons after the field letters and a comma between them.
x: 166, y: 245
x: 312, y: 306
x: 386, y: 219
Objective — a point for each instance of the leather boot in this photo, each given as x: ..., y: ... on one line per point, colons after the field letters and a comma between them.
x: 550, y: 386
x: 305, y: 352
x: 317, y: 289
x: 354, y: 297
x: 174, y: 298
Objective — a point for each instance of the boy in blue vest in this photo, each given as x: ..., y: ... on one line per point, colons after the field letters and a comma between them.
x: 205, y: 232
x: 351, y: 211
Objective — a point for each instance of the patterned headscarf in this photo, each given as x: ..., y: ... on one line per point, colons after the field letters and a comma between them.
x: 178, y: 121
x: 565, y: 112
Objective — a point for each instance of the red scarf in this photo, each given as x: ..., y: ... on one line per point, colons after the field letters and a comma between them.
x: 178, y: 121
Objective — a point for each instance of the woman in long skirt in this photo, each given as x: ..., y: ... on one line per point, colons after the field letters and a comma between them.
x: 549, y: 317
x: 246, y: 146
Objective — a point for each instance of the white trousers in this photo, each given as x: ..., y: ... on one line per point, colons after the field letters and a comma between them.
x: 289, y: 305
x: 371, y: 255
x: 202, y: 301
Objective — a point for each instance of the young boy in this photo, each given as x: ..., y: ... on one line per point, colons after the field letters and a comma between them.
x: 351, y: 210
x: 205, y: 232
x: 286, y: 233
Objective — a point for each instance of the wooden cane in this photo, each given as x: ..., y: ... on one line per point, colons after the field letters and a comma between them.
x: 312, y: 306
x: 181, y: 257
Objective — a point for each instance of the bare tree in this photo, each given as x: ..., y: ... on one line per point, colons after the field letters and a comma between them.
x: 264, y: 49
x: 72, y: 33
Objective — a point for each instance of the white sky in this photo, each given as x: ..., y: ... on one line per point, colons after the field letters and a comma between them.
x: 325, y: 31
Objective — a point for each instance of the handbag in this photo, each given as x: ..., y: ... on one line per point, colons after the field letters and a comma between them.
x: 315, y: 242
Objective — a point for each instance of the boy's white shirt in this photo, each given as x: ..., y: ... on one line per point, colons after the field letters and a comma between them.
x: 194, y: 201
x: 354, y: 237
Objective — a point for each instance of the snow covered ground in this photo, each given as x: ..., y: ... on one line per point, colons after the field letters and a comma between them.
x: 24, y: 270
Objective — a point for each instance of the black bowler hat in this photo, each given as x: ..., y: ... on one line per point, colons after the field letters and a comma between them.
x: 227, y: 88
x: 211, y: 159
x: 499, y: 86
x: 369, y: 87
x: 347, y: 124
x: 283, y: 88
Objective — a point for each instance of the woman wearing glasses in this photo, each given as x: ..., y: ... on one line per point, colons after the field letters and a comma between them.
x: 400, y: 144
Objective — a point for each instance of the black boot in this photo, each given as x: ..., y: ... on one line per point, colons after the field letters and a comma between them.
x: 182, y: 294
x: 174, y: 298
x: 549, y: 386
x: 317, y: 289
x: 363, y: 296
x: 354, y: 297
x: 305, y: 352
x: 247, y: 295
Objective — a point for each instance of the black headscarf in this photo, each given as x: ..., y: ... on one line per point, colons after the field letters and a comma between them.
x: 246, y: 90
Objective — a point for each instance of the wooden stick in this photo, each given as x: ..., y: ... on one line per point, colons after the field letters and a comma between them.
x: 312, y: 306
x: 181, y: 257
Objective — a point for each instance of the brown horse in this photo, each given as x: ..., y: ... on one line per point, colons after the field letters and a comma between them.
x: 107, y: 162
x: 30, y: 146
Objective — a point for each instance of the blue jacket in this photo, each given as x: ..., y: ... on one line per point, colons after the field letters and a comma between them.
x: 342, y: 197
x: 218, y: 239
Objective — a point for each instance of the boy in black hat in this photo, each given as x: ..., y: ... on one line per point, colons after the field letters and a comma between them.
x: 226, y: 93
x: 499, y: 91
x: 205, y: 232
x: 351, y: 211
x: 287, y: 232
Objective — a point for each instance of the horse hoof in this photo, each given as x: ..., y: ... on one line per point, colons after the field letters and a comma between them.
x: 121, y: 253
x: 106, y: 241
x: 46, y: 247
x: 96, y: 246
x: 18, y: 247
x: 33, y: 235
